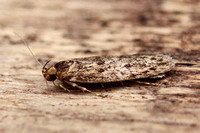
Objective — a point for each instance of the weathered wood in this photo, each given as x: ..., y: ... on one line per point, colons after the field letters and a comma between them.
x: 62, y: 29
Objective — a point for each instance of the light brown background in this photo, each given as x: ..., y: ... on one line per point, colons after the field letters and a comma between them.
x: 64, y: 29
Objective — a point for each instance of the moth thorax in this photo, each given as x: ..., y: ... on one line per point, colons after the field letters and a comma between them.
x: 50, y: 74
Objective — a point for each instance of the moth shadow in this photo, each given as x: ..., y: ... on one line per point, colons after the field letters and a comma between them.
x: 108, y: 87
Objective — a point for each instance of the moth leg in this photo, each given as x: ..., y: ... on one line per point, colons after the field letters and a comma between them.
x: 64, y: 88
x: 146, y: 83
x: 55, y: 84
x: 77, y: 86
x: 102, y: 85
x: 82, y: 88
x: 61, y: 86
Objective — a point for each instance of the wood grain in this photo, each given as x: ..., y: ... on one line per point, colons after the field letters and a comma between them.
x: 59, y: 30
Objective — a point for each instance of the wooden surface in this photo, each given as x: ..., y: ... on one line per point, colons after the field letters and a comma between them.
x: 64, y: 29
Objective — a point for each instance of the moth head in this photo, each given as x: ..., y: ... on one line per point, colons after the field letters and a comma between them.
x: 49, y: 73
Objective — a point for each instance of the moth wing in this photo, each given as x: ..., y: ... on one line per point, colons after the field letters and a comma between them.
x: 103, y: 69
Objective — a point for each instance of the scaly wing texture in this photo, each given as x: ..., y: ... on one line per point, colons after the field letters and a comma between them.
x: 102, y: 69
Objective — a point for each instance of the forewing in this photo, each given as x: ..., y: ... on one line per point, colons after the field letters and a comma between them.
x: 102, y: 69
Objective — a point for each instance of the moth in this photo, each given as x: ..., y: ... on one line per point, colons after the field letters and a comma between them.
x: 105, y: 69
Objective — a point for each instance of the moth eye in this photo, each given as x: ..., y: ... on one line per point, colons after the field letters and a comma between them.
x: 52, y: 77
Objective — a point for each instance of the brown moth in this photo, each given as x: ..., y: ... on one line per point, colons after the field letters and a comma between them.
x: 105, y: 69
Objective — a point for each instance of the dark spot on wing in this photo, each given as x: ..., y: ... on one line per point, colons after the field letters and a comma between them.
x: 162, y: 64
x: 152, y: 68
x: 127, y: 65
x: 122, y: 73
x: 80, y: 66
x: 153, y: 58
x: 101, y: 70
x: 59, y: 64
x: 143, y: 65
x: 133, y: 75
x: 63, y: 65
x: 145, y: 71
x: 100, y: 62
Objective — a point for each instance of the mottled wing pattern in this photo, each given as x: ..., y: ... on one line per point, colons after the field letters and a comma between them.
x: 102, y: 69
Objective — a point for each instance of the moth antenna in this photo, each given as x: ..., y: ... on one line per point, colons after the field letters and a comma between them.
x: 26, y: 44
x: 46, y: 63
